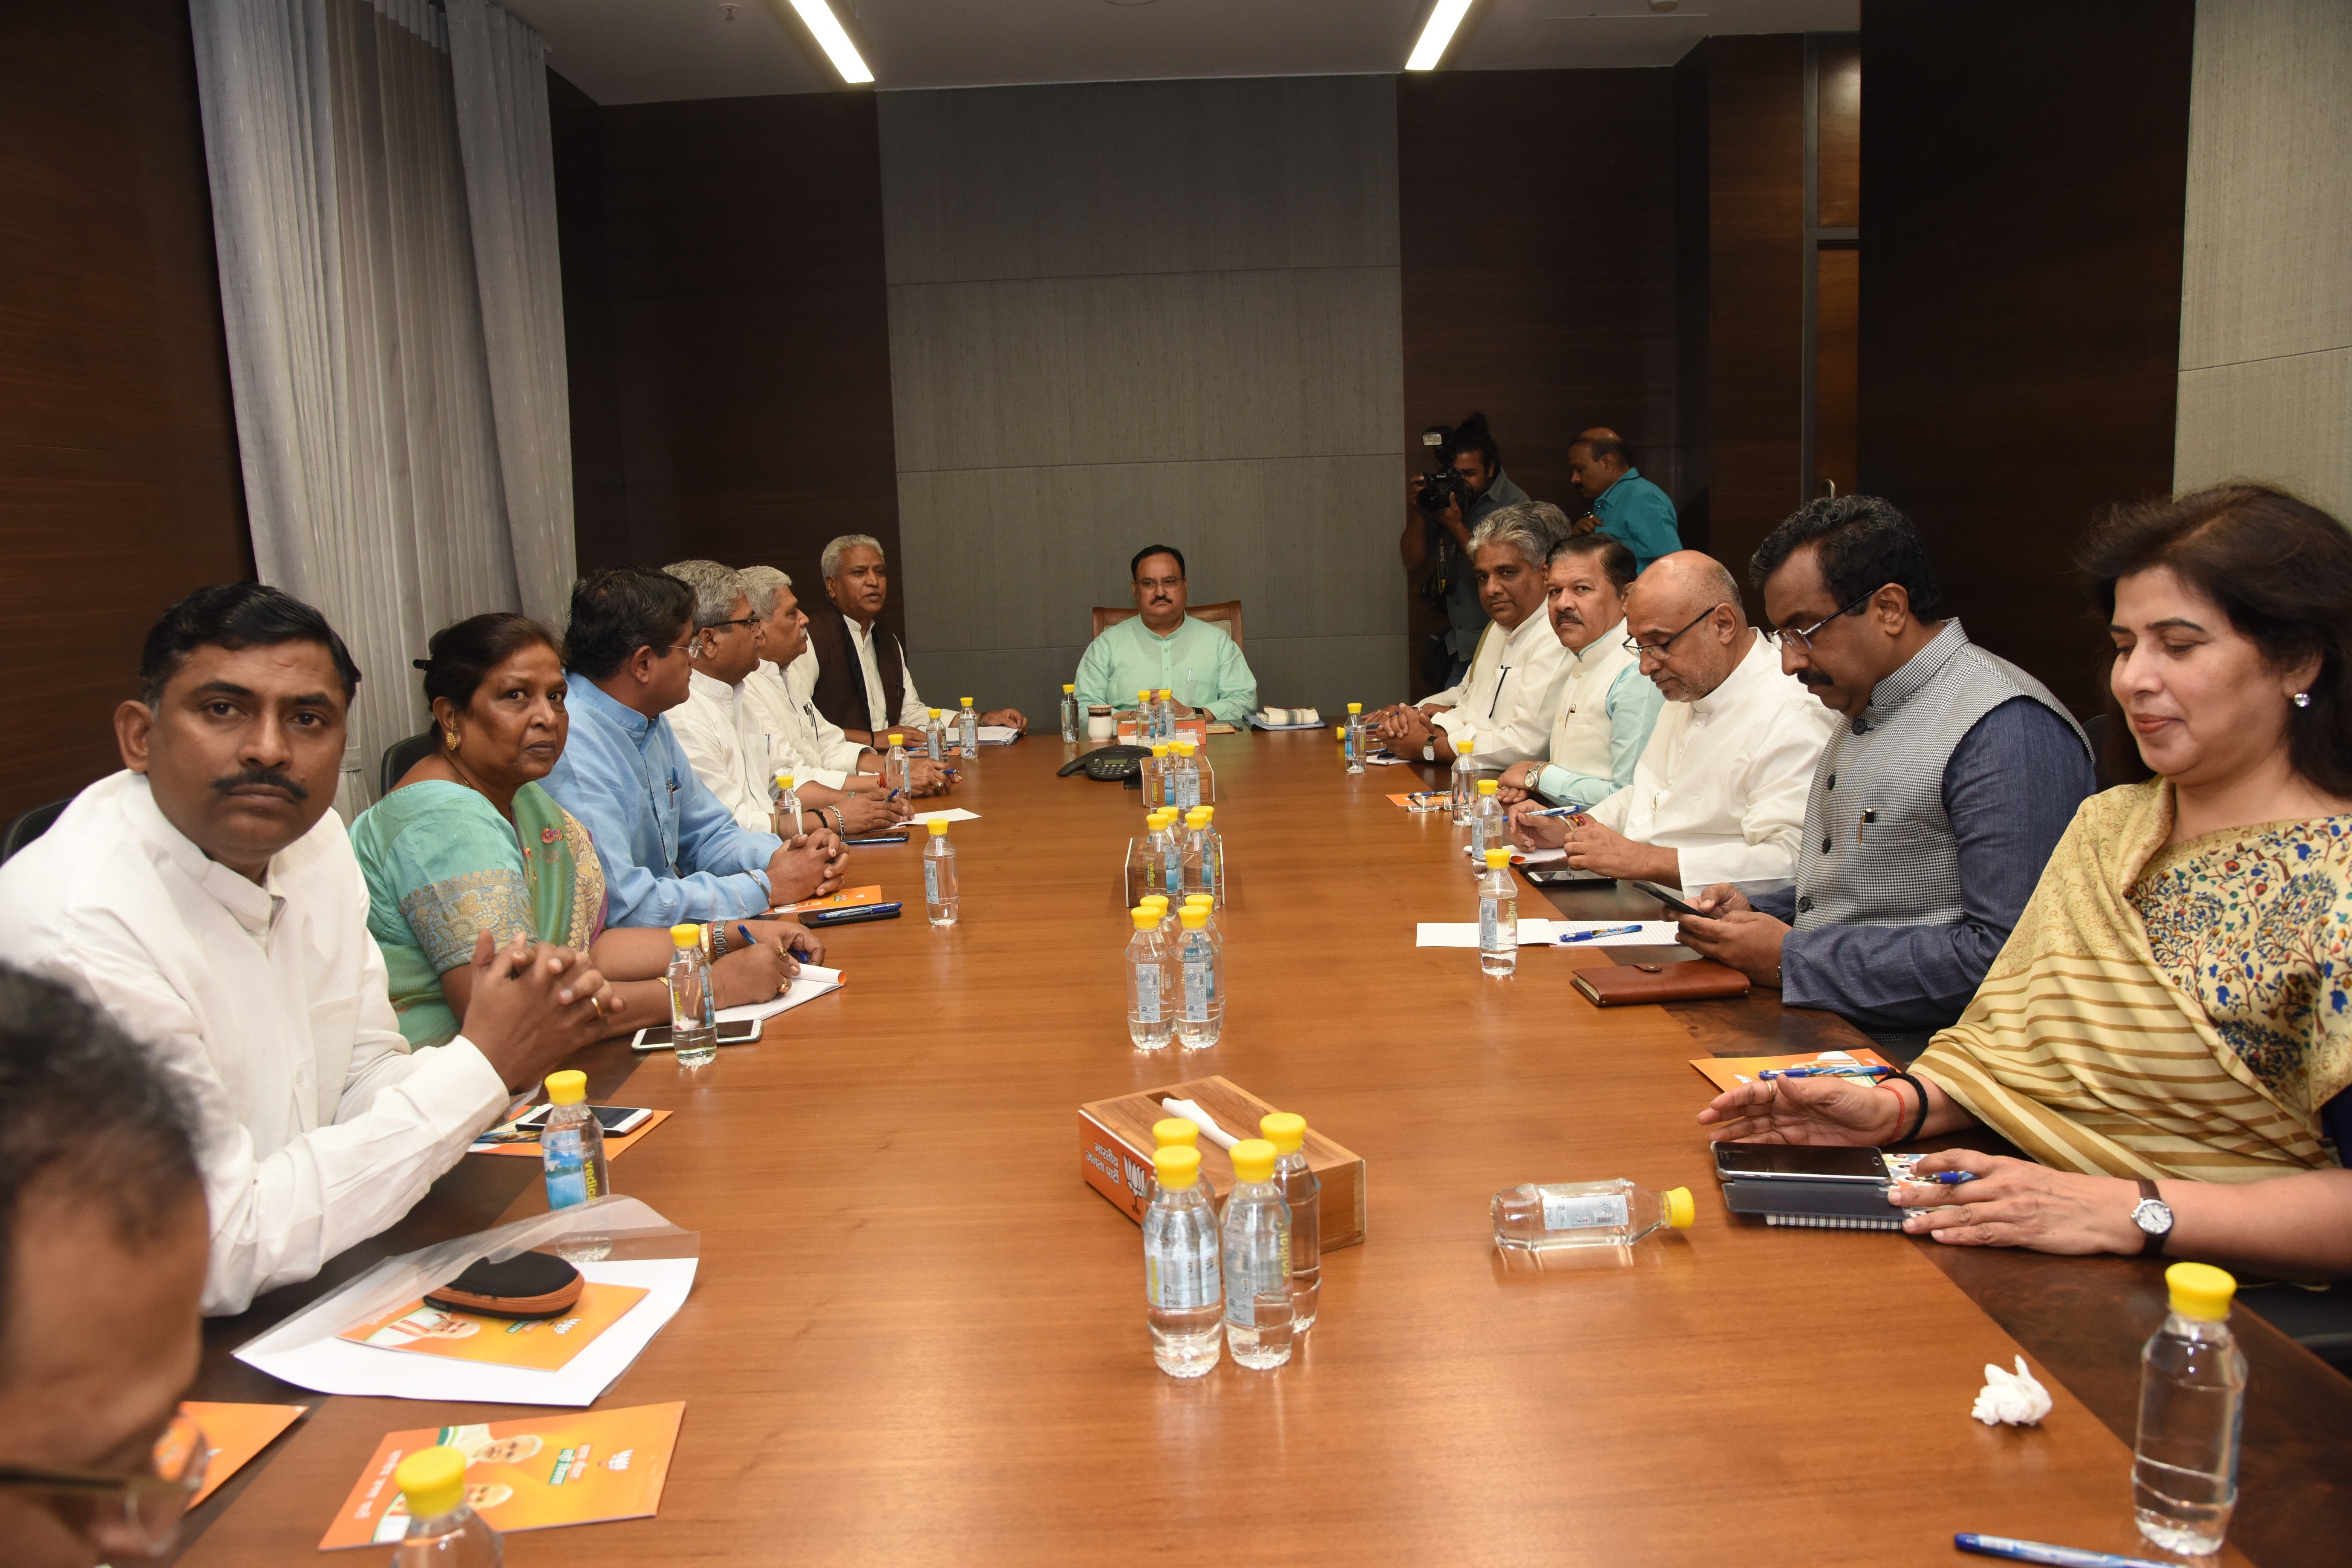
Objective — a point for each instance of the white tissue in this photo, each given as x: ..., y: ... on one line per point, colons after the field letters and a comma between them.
x: 1202, y: 1119
x: 2014, y: 1397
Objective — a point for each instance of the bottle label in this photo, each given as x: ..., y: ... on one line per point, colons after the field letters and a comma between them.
x: 1175, y: 872
x: 1181, y: 1278
x: 1254, y: 1269
x: 1583, y: 1211
x: 931, y: 881
x: 1490, y: 924
x: 567, y: 1168
x: 1147, y: 994
x: 1196, y: 991
x: 935, y: 743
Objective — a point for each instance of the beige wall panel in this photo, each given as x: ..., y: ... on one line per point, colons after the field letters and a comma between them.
x: 1161, y: 367
x: 2285, y: 421
x: 1172, y: 176
x: 2267, y: 265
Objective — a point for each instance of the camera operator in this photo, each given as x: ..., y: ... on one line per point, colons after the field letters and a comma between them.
x: 1443, y: 505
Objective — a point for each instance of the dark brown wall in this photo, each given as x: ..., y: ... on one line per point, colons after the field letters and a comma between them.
x: 1539, y: 278
x: 2021, y: 310
x: 119, y: 489
x: 731, y: 334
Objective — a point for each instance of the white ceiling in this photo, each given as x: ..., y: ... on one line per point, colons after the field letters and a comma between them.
x: 645, y: 51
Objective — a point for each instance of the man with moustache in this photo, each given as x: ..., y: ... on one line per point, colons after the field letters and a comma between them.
x: 855, y: 670
x: 1162, y: 647
x: 1719, y: 793
x: 1502, y: 708
x: 1607, y: 707
x: 838, y: 780
x: 207, y: 900
x: 1948, y: 780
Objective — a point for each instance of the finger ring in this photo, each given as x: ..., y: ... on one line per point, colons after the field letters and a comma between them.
x: 598, y: 1006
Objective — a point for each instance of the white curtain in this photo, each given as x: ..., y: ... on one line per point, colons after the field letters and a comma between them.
x: 377, y: 388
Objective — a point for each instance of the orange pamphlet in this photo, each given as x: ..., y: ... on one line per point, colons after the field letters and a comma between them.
x: 566, y: 1468
x: 1425, y: 800
x: 1730, y: 1072
x: 234, y: 1434
x: 544, y: 1344
x: 848, y: 898
x: 615, y: 1144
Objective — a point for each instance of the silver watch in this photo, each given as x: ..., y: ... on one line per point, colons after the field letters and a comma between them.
x: 2154, y: 1217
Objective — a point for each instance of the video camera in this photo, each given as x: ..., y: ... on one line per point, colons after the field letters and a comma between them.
x: 1442, y: 483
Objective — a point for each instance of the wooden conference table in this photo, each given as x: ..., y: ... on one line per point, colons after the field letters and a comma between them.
x: 917, y: 1336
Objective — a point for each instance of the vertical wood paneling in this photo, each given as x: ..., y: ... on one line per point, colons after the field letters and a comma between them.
x: 119, y: 483
x: 1837, y: 99
x: 1837, y: 299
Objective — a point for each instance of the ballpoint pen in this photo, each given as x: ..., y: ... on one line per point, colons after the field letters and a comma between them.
x: 1556, y: 810
x: 1859, y: 1070
x: 1605, y: 930
x: 2039, y: 1552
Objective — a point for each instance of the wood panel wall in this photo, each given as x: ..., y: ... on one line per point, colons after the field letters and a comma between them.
x: 2020, y: 312
x: 725, y: 313
x: 120, y: 484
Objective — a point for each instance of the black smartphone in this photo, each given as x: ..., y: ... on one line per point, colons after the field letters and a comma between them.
x: 615, y: 1118
x: 737, y: 1032
x: 1797, y: 1162
x: 1672, y: 899
x: 852, y: 916
x: 878, y: 838
x: 1558, y: 877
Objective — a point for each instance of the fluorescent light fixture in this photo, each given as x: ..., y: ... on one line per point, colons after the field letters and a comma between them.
x: 836, y: 45
x: 1434, y: 36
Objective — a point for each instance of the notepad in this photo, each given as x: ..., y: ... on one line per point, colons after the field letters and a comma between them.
x: 848, y: 898
x: 814, y: 980
x: 997, y: 734
x: 952, y: 813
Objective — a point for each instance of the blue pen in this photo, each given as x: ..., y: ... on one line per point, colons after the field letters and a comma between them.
x: 749, y: 940
x: 2037, y: 1552
x: 1605, y: 930
x: 1556, y: 810
x: 1946, y: 1178
x: 1857, y: 1070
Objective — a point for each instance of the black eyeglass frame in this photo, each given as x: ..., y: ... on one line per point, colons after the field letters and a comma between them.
x: 1804, y: 634
x: 1660, y: 648
x: 150, y: 1505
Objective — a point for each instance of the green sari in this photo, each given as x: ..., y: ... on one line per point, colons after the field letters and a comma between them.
x: 442, y: 866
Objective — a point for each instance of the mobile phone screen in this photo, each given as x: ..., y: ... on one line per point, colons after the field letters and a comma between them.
x: 1800, y: 1161
x: 613, y: 1118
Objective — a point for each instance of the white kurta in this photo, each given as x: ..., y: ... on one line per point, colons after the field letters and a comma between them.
x: 803, y: 740
x: 1723, y: 779
x: 1508, y: 700
x: 319, y: 1128
x: 729, y: 748
x: 1580, y: 725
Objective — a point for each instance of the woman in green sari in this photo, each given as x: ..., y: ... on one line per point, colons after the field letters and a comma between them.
x: 467, y: 841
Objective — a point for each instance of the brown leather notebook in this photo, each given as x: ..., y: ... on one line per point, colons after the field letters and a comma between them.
x: 1693, y: 980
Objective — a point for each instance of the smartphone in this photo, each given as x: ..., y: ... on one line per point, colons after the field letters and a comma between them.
x: 615, y: 1118
x: 1672, y: 899
x: 1797, y: 1162
x: 878, y: 838
x: 1557, y: 876
x: 850, y: 916
x: 737, y: 1032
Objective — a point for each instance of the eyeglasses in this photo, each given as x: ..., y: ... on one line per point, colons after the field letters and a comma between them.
x: 129, y: 1515
x: 722, y: 625
x: 1637, y: 646
x: 1804, y: 634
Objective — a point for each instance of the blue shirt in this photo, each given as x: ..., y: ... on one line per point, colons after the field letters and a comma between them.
x: 671, y: 852
x: 2010, y: 788
x: 1637, y: 514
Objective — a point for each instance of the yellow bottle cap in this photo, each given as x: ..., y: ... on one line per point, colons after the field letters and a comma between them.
x: 1145, y: 917
x: 1489, y: 786
x: 1355, y: 708
x: 1206, y: 901
x: 1175, y: 1131
x: 688, y: 935
x: 433, y: 1479
x: 1184, y: 748
x: 1165, y: 692
x: 1158, y: 748
x: 939, y: 829
x: 1069, y: 688
x: 567, y: 1087
x: 934, y: 712
x: 1159, y: 900
x: 1340, y: 733
x: 1176, y: 1165
x: 1253, y: 1160
x: 1196, y: 817
x: 1283, y: 1129
x: 1497, y: 858
x: 785, y: 779
x: 2200, y: 1291
x: 965, y: 700
x: 1194, y: 916
x: 1680, y: 1210
x: 1144, y: 695
x: 1465, y: 745
x: 897, y: 739
x: 1208, y: 811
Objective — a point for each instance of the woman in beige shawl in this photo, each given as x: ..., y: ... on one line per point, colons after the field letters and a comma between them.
x: 2169, y: 1031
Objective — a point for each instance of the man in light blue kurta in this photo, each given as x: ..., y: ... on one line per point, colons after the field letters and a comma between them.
x: 1163, y: 646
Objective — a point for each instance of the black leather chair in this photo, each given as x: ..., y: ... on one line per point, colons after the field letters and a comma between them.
x: 28, y: 825
x: 402, y: 755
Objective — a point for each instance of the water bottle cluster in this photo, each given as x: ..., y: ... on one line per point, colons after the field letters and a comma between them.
x: 1250, y: 1280
x: 1175, y: 974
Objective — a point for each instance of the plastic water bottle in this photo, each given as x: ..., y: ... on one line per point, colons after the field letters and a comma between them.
x: 1147, y: 729
x: 694, y: 1029
x: 443, y: 1531
x: 1070, y: 716
x: 1181, y: 1295
x: 968, y: 732
x: 1167, y: 715
x: 1498, y: 915
x: 1152, y: 992
x: 935, y: 738
x: 1167, y: 853
x: 1204, y: 998
x: 1155, y: 776
x: 1559, y: 1214
x: 1257, y: 1260
x: 1464, y: 796
x: 1303, y: 1191
x: 1204, y: 855
x: 572, y: 1144
x: 2192, y: 1399
x: 785, y: 807
x: 1490, y: 825
x: 893, y: 764
x: 1187, y: 776
x: 1351, y: 738
x: 941, y: 899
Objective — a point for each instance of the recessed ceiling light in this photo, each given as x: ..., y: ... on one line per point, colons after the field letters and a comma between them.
x: 835, y: 43
x: 1436, y: 34
x: 1127, y: 2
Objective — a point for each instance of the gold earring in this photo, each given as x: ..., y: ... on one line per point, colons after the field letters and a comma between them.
x: 449, y: 739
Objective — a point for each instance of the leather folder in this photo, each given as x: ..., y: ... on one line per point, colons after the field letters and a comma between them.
x: 1693, y: 980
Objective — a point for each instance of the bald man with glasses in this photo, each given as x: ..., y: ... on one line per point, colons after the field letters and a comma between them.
x: 1718, y: 795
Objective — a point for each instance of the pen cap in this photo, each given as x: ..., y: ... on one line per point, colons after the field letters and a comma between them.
x: 1355, y: 708
x: 1489, y: 786
x: 1174, y: 1129
x: 2200, y: 1291
x: 939, y: 829
x: 1497, y: 858
x: 1253, y: 1160
x: 1194, y: 916
x: 433, y: 1479
x: 567, y: 1087
x: 1177, y: 1165
x: 1283, y: 1129
x: 1680, y: 1210
x: 1145, y: 917
x: 687, y: 935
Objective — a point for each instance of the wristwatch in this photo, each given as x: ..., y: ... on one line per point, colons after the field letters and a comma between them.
x: 2154, y: 1217
x: 1429, y: 750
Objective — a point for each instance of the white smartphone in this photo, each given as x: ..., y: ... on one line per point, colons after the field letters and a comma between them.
x: 739, y: 1032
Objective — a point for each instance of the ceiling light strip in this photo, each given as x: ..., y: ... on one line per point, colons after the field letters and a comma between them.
x: 844, y: 54
x: 1434, y: 36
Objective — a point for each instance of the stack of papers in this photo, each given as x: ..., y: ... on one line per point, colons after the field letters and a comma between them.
x: 997, y: 734
x: 1556, y: 933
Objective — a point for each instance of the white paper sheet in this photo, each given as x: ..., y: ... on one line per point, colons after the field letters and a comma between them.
x: 1547, y: 933
x: 1531, y: 856
x: 997, y: 734
x: 952, y: 813
x: 813, y: 982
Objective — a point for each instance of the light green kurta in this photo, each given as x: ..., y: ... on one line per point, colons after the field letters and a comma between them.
x: 1198, y: 662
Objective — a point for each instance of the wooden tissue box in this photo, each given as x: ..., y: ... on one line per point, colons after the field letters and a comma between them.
x: 1115, y: 1149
